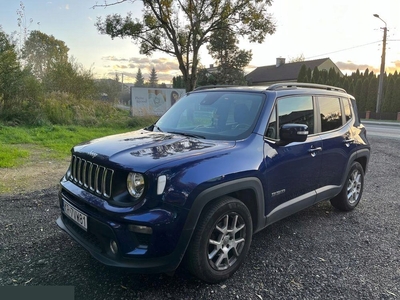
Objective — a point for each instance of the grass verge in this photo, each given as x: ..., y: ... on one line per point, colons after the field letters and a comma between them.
x: 58, y: 139
x: 33, y: 158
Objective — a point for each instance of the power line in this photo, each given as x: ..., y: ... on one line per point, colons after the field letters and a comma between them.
x: 343, y: 49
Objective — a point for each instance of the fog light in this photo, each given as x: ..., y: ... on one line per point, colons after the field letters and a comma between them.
x: 113, y: 247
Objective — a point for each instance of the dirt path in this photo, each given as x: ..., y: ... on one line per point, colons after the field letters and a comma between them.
x: 40, y: 171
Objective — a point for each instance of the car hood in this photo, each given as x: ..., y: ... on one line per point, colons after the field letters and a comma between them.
x: 142, y: 150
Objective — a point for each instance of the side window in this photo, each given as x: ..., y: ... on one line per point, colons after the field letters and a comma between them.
x: 297, y: 109
x: 330, y: 113
x: 347, y: 110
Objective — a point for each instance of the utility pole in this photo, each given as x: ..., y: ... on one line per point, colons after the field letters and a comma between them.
x: 382, y: 71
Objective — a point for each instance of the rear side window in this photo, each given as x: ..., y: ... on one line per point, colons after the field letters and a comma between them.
x: 330, y: 113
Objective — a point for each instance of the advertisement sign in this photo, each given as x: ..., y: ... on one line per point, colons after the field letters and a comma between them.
x: 153, y: 101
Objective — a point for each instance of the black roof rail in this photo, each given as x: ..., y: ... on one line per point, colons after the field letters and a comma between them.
x: 206, y: 87
x: 283, y: 85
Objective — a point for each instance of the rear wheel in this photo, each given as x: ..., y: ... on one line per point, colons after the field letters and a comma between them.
x: 221, y: 240
x: 352, y: 190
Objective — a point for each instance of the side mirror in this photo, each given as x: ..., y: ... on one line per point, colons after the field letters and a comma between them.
x: 290, y: 133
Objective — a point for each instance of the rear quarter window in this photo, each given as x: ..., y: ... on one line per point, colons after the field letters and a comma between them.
x: 330, y: 113
x: 347, y: 110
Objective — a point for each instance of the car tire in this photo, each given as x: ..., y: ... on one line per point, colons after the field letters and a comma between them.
x: 352, y: 190
x: 220, y: 241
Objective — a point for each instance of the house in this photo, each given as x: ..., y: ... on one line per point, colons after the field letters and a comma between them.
x: 287, y: 72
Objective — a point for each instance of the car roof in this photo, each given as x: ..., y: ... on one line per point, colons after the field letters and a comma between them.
x: 283, y: 88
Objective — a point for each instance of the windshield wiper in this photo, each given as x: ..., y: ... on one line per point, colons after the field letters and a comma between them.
x: 188, y: 134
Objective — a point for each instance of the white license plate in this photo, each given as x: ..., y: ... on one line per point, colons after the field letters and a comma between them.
x: 76, y: 215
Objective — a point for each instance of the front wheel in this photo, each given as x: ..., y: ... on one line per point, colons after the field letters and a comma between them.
x: 352, y: 190
x: 220, y: 241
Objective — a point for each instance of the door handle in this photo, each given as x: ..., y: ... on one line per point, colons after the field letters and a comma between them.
x: 348, y: 141
x: 312, y: 150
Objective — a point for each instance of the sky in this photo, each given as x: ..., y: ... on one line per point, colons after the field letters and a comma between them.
x: 343, y: 30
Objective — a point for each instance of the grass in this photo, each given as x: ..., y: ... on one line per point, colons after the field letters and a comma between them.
x: 58, y: 139
x: 11, y: 156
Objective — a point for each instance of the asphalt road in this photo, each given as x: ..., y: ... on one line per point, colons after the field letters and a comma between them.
x: 383, y: 129
x: 319, y: 253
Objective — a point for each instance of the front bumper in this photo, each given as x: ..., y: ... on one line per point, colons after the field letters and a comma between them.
x: 160, y: 251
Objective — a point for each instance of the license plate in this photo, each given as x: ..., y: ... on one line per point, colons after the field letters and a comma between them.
x: 76, y: 215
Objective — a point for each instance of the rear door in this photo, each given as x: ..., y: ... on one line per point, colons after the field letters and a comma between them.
x: 334, y: 124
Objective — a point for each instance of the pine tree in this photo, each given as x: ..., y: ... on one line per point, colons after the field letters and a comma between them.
x: 346, y: 84
x: 309, y: 75
x: 302, y: 74
x: 362, y: 101
x: 315, y: 75
x: 388, y: 102
x: 396, y: 95
x: 357, y: 89
x: 153, y: 79
x: 177, y: 82
x: 372, y: 94
x: 139, y: 79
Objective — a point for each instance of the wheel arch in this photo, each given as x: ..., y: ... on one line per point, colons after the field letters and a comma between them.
x: 248, y: 190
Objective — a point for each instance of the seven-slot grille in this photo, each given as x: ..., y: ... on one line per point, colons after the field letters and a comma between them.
x: 93, y: 177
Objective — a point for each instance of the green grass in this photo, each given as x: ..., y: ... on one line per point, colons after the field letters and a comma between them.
x: 59, y: 139
x: 11, y: 156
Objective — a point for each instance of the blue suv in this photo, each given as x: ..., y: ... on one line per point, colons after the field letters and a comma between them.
x: 220, y: 165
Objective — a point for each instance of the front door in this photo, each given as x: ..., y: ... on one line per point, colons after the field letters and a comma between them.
x: 291, y: 171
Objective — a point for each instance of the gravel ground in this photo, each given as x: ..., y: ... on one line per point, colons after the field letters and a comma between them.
x: 319, y: 253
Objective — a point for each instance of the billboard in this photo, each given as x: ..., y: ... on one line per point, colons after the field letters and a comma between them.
x: 153, y: 101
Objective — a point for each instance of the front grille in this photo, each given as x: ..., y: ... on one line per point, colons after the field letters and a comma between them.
x: 91, y: 176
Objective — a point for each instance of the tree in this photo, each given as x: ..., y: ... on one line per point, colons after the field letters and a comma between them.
x: 357, y: 89
x: 315, y: 75
x: 139, y: 79
x: 362, y: 101
x: 177, y: 82
x: 297, y: 58
x: 153, y: 79
x: 302, y: 74
x: 10, y: 71
x: 396, y: 95
x: 181, y: 27
x: 372, y: 93
x: 229, y: 58
x: 204, y: 77
x: 69, y: 77
x: 19, y: 89
x: 42, y: 51
x: 388, y: 101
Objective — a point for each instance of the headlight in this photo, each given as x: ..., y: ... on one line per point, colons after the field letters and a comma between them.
x: 135, y: 185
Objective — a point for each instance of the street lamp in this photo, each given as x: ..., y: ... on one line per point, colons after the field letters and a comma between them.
x: 382, y: 71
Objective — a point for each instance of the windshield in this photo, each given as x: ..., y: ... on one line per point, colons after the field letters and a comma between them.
x: 213, y: 115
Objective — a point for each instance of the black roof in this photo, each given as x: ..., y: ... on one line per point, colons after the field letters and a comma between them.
x: 285, y: 72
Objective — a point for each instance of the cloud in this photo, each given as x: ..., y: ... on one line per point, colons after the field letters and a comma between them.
x: 349, y: 66
x: 67, y: 6
x: 390, y: 69
x: 166, y: 68
x: 113, y: 58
